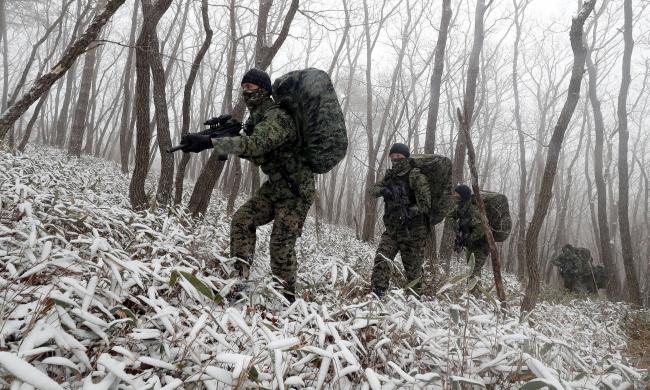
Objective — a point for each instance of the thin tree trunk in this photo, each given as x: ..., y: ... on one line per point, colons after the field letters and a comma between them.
x: 555, y: 146
x: 465, y: 123
x: 126, y: 132
x: 5, y: 55
x: 79, y: 121
x: 187, y: 97
x: 521, y: 202
x: 45, y: 82
x: 623, y: 174
x: 30, y: 124
x: 601, y: 186
x: 151, y: 17
x: 166, y: 178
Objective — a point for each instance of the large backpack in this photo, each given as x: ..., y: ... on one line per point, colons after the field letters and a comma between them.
x: 310, y: 98
x: 437, y: 170
x: 498, y: 214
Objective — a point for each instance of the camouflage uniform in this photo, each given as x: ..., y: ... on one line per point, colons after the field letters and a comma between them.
x: 470, y: 233
x: 406, y: 226
x: 576, y: 269
x: 284, y: 198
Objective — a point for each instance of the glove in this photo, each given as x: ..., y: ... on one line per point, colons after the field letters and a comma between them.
x: 386, y: 193
x: 196, y: 143
x: 228, y: 145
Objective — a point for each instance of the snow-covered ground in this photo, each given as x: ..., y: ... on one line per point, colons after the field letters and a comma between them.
x: 95, y: 296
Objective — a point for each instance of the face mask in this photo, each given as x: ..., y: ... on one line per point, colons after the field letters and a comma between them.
x: 400, y: 165
x: 253, y: 98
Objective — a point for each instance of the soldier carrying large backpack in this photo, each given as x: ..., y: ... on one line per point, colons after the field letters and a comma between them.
x: 416, y: 196
x: 298, y: 132
x: 469, y: 228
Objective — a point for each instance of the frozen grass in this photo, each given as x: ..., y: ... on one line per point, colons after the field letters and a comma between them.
x: 95, y: 296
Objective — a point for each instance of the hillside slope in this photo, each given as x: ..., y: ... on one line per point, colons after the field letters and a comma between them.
x: 93, y: 295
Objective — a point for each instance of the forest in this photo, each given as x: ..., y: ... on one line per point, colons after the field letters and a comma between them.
x: 541, y: 100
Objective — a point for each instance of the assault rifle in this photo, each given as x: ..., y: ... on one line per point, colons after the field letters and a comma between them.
x: 399, y: 201
x: 220, y: 126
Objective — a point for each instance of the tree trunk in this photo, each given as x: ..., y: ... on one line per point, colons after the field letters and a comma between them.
x: 601, y: 186
x: 465, y: 123
x: 623, y: 174
x: 81, y: 109
x: 5, y: 56
x: 126, y: 131
x: 166, y: 178
x: 187, y: 97
x: 151, y: 16
x: 45, y: 82
x: 544, y: 197
x: 434, y: 101
x: 521, y: 202
x: 30, y: 124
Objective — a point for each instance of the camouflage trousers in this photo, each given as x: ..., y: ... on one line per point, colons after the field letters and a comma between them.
x: 410, y: 244
x: 288, y: 216
x: 481, y: 254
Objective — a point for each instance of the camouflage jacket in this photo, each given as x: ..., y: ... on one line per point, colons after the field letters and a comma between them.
x: 274, y: 145
x: 411, y: 188
x: 468, y: 224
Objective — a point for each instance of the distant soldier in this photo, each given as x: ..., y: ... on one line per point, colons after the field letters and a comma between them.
x: 287, y: 195
x: 577, y: 271
x: 469, y: 229
x: 406, y: 203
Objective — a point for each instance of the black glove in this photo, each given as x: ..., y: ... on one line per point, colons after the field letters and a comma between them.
x: 386, y: 193
x: 196, y: 143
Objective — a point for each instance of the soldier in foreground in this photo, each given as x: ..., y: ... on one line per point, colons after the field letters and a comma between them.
x: 469, y: 229
x: 287, y: 195
x: 406, y: 204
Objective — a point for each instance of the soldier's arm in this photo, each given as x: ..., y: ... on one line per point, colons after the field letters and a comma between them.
x: 420, y: 186
x: 276, y: 130
x: 375, y: 190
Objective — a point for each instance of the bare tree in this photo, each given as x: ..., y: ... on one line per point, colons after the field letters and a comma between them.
x: 88, y: 76
x: 45, y: 82
x: 623, y: 174
x: 151, y: 16
x: 555, y: 146
x: 126, y: 131
x: 187, y: 94
x: 601, y: 189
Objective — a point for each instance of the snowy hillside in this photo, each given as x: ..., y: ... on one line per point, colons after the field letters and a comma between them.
x: 93, y: 295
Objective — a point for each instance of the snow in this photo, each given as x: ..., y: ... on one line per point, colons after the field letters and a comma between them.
x: 96, y: 296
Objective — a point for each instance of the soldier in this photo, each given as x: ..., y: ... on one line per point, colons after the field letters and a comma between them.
x: 469, y: 229
x: 287, y: 195
x: 406, y: 204
x: 577, y: 270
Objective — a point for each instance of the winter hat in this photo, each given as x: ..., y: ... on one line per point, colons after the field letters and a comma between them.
x: 259, y: 78
x: 464, y: 191
x: 401, y: 149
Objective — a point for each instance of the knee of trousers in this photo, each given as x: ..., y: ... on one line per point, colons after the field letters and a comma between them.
x: 242, y: 222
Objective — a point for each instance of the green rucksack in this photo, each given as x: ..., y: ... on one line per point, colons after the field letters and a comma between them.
x: 437, y: 170
x: 309, y: 96
x: 498, y: 214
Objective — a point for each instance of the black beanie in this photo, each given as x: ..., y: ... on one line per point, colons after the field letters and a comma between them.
x: 259, y: 78
x: 464, y: 191
x: 401, y: 149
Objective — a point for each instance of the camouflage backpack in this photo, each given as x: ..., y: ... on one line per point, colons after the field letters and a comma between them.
x: 498, y: 214
x: 437, y: 170
x: 310, y: 98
